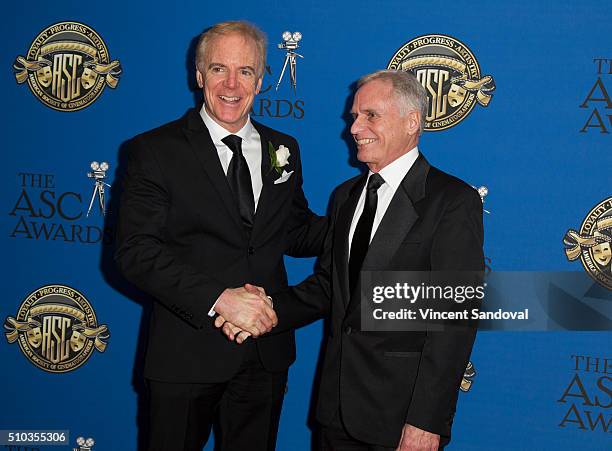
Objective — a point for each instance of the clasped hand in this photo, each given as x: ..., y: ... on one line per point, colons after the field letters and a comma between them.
x: 244, y: 312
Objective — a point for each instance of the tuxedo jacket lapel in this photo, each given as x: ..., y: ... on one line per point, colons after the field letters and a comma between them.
x: 399, y: 219
x: 272, y: 196
x: 203, y: 147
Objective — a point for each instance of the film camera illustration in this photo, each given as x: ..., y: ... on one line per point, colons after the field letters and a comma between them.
x: 84, y: 444
x: 290, y: 44
x: 98, y: 174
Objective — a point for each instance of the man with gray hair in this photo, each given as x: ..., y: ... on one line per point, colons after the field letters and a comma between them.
x: 388, y: 390
x: 204, y: 212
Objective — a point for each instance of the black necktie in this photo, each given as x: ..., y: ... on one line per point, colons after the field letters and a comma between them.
x: 239, y: 179
x: 361, y: 236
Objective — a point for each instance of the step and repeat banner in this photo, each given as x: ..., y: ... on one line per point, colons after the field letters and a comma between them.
x: 520, y: 107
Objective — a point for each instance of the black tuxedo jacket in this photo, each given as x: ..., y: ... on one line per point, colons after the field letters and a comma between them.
x: 181, y: 240
x: 382, y: 380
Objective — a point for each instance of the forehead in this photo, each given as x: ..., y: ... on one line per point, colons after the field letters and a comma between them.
x: 232, y: 46
x: 374, y: 95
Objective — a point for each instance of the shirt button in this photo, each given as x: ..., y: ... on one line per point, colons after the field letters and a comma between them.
x: 251, y: 250
x: 348, y: 330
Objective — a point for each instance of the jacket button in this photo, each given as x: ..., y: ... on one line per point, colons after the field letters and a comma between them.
x: 251, y: 250
x: 348, y: 330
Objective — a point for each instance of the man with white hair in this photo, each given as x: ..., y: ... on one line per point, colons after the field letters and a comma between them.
x: 388, y: 390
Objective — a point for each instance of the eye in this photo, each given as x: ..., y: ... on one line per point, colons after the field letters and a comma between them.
x: 372, y: 115
x: 246, y: 72
x: 217, y: 69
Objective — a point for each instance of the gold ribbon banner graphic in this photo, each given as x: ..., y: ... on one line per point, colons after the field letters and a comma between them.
x: 46, y: 309
x: 481, y: 86
x: 97, y: 334
x: 466, y: 381
x: 68, y: 47
x: 23, y: 66
x: 110, y: 71
x: 576, y: 242
x: 14, y: 328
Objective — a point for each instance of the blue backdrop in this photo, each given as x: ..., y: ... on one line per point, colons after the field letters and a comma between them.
x: 543, y: 175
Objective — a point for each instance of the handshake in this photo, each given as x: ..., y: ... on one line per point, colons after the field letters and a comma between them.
x: 244, y: 312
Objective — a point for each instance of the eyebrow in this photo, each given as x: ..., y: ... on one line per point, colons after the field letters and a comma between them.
x: 213, y: 64
x: 369, y: 110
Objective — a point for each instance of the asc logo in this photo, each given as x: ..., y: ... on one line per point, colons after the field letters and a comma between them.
x: 56, y: 329
x: 67, y: 66
x: 450, y: 74
x: 593, y: 243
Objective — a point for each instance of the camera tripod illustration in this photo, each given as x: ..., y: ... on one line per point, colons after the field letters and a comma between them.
x: 290, y: 44
x: 98, y: 174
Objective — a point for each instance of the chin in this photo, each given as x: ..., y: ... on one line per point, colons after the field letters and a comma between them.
x: 232, y: 118
x: 363, y: 157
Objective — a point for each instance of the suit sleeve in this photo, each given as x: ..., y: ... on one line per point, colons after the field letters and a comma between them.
x: 457, y: 246
x: 311, y: 299
x: 142, y: 254
x: 306, y: 231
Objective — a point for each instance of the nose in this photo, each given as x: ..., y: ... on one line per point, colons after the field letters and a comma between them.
x: 357, y: 125
x: 230, y: 80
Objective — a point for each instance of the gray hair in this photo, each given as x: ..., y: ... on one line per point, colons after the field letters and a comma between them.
x: 410, y: 93
x: 245, y: 29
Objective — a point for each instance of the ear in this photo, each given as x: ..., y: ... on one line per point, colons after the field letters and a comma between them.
x: 413, y: 122
x: 258, y: 87
x: 199, y: 78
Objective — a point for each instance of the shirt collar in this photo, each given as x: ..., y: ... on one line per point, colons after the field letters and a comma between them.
x: 217, y: 132
x: 394, y: 172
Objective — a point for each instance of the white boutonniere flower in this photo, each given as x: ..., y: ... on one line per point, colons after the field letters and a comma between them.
x: 279, y: 158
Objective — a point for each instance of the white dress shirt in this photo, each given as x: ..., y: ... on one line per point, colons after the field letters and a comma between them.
x: 251, y: 149
x: 392, y: 174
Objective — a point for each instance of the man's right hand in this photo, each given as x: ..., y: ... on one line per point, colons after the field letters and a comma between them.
x: 247, y: 309
x: 415, y: 439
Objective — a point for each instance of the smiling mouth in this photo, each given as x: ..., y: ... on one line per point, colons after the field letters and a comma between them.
x: 228, y: 99
x: 364, y: 141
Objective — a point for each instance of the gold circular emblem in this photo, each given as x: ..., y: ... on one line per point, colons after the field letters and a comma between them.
x: 593, y: 243
x: 56, y: 329
x: 450, y: 74
x: 67, y: 66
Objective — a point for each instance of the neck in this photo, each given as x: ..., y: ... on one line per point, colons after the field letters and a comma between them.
x: 377, y: 167
x: 230, y: 128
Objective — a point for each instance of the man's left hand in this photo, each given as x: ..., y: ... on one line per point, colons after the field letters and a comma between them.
x: 415, y: 439
x: 235, y: 333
